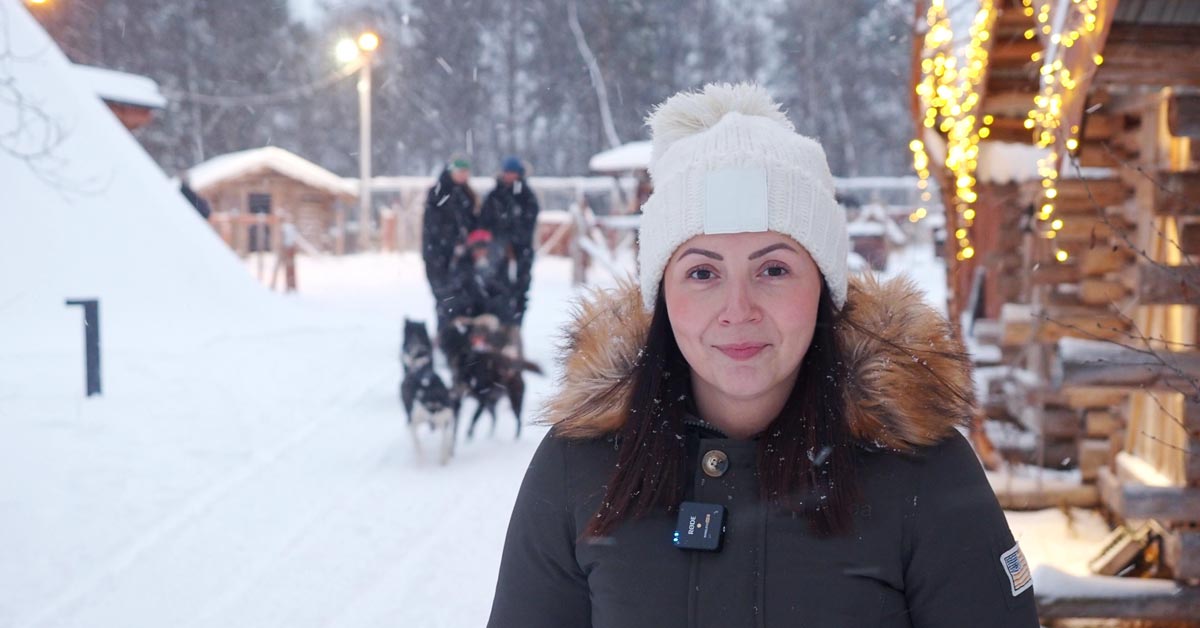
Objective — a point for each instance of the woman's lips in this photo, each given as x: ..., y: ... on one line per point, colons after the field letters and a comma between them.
x: 741, y: 351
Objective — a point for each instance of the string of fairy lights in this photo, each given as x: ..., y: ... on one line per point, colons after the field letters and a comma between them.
x: 950, y: 88
x: 951, y: 77
x: 1045, y: 120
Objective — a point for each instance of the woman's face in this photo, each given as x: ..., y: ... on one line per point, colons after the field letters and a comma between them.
x: 743, y: 307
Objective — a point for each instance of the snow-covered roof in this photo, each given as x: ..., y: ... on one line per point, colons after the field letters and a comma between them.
x: 631, y: 156
x: 1008, y: 162
x: 860, y: 228
x: 121, y: 87
x: 234, y: 165
x: 872, y: 220
x: 846, y: 184
x: 483, y: 184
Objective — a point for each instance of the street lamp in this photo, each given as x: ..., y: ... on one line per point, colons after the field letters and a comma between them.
x: 362, y: 50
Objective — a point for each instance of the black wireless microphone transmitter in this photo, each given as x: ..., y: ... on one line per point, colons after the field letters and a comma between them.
x: 700, y: 526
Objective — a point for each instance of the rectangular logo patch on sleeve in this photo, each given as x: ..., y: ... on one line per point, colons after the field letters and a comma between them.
x: 1017, y: 570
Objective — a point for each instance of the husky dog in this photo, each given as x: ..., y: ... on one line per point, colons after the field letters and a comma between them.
x: 486, y: 360
x: 425, y: 397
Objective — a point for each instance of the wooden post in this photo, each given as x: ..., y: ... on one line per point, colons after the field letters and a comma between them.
x: 578, y: 257
x: 91, y: 340
x: 1183, y: 115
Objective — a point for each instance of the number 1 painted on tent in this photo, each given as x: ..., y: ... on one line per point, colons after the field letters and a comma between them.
x: 91, y: 339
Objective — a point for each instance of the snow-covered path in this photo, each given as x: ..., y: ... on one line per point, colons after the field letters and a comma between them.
x: 264, y: 480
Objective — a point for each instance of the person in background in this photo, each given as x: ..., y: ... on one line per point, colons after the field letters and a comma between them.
x: 195, y: 199
x: 451, y: 214
x: 289, y: 244
x: 509, y: 213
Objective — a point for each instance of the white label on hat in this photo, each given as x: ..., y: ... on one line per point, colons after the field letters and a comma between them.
x: 735, y: 200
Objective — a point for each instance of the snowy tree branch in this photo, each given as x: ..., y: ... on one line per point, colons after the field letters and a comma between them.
x: 610, y: 131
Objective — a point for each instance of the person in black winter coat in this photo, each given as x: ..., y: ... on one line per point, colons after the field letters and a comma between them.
x: 192, y: 197
x: 451, y: 214
x: 750, y: 437
x: 510, y: 214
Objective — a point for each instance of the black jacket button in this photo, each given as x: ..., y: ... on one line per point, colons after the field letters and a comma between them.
x: 715, y: 463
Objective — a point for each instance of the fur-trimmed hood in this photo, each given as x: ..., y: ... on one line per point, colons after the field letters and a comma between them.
x: 909, y: 380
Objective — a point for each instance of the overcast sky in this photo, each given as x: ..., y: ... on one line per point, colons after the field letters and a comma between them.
x: 307, y: 10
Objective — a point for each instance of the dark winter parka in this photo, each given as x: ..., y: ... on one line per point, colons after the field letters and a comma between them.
x: 450, y: 215
x: 510, y: 214
x: 929, y: 548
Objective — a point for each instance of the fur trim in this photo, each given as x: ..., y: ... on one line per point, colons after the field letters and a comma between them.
x: 688, y: 113
x: 600, y: 349
x: 909, y: 382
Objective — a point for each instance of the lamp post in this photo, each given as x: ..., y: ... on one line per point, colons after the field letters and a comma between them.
x: 362, y: 49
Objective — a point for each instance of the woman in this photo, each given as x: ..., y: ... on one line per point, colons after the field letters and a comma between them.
x: 807, y: 419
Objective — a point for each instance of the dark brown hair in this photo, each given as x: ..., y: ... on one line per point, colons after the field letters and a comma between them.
x: 805, y: 456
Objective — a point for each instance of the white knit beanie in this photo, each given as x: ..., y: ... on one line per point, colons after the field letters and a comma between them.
x: 727, y: 160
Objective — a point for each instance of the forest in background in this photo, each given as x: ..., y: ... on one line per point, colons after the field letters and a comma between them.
x: 495, y: 77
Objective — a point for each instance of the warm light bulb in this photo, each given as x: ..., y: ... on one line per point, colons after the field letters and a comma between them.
x: 368, y: 41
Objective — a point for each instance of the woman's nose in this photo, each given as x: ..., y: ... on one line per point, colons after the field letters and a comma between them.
x: 740, y: 304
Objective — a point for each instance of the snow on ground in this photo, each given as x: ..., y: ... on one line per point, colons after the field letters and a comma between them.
x: 261, y: 479
x: 1058, y: 545
x: 1066, y: 539
x: 928, y: 272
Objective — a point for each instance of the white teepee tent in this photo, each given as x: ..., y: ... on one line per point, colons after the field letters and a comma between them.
x: 86, y: 213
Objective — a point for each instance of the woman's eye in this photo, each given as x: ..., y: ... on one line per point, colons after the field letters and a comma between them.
x: 776, y: 271
x: 702, y: 274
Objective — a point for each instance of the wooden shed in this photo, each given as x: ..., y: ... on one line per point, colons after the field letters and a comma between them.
x: 1059, y: 135
x: 253, y: 191
x: 132, y: 98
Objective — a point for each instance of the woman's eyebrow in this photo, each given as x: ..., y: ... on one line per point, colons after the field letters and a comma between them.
x: 703, y: 252
x: 778, y: 245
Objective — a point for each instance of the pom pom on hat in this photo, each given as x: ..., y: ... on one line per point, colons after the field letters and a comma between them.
x: 688, y: 113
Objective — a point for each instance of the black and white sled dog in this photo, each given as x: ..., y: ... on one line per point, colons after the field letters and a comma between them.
x: 485, y: 358
x: 425, y: 397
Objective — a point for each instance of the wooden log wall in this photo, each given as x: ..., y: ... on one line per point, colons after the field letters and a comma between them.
x: 1152, y: 468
